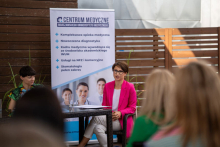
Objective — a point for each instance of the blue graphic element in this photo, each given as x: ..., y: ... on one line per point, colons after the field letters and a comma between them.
x: 56, y: 34
x: 121, y: 50
x: 59, y: 19
x: 57, y: 60
x: 57, y: 47
x: 57, y: 41
x: 82, y: 77
x: 71, y: 131
x: 57, y: 67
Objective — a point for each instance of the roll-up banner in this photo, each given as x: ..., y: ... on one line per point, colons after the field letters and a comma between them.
x: 82, y: 54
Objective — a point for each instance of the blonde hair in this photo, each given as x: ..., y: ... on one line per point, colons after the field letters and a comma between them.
x: 198, y: 104
x: 158, y: 96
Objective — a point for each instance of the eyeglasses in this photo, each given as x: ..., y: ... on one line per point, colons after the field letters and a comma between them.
x: 118, y: 71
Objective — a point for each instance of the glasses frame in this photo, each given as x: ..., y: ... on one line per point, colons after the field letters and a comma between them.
x: 120, y: 72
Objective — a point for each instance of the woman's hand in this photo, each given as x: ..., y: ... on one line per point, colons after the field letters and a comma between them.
x: 116, y: 115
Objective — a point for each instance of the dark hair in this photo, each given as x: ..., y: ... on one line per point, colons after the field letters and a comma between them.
x: 27, y: 71
x: 40, y: 104
x: 83, y: 84
x: 101, y: 79
x: 66, y: 89
x: 123, y: 65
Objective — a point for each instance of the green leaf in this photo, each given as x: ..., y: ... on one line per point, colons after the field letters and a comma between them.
x: 14, y: 82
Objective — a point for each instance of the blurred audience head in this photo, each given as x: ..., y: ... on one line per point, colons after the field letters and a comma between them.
x: 40, y: 104
x: 158, y: 96
x: 29, y: 135
x: 197, y: 100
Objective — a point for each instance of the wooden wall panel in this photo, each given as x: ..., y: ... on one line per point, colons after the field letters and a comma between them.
x: 24, y: 27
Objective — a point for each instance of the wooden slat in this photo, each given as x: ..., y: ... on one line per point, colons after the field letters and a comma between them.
x: 6, y: 79
x: 186, y: 61
x: 139, y: 43
x: 123, y: 55
x: 6, y: 87
x: 139, y: 38
x: 218, y: 50
x: 194, y: 42
x: 37, y: 4
x: 141, y: 70
x: 146, y: 62
x: 11, y: 20
x: 24, y: 45
x: 24, y: 61
x: 24, y: 53
x: 24, y: 12
x: 195, y: 37
x: 139, y: 48
x: 193, y: 47
x: 141, y: 102
x: 170, y: 48
x: 137, y: 78
x: 27, y: 29
x: 138, y: 32
x: 183, y: 54
x: 2, y: 95
x: 25, y: 37
x: 6, y: 71
x: 166, y: 43
x: 139, y: 86
x: 183, y: 31
x: 141, y: 95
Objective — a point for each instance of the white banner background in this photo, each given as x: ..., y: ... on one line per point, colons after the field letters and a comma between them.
x: 82, y: 50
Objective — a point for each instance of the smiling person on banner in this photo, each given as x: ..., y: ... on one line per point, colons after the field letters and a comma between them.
x: 67, y: 97
x: 98, y: 97
x: 27, y: 75
x: 82, y: 91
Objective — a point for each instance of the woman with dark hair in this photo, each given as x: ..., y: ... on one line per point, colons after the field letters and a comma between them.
x: 27, y: 75
x: 121, y: 96
x: 40, y: 104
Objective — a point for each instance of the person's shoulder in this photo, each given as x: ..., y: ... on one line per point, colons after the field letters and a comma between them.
x: 128, y: 84
x: 143, y: 119
x: 15, y: 94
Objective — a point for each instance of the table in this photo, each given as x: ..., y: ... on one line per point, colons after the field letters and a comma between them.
x: 81, y: 113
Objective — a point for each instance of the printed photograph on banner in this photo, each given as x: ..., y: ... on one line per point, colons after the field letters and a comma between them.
x: 86, y: 91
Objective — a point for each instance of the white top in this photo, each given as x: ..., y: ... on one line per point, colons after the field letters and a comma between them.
x: 115, y: 99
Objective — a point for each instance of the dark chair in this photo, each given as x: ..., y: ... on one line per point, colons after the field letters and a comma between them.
x: 121, y: 135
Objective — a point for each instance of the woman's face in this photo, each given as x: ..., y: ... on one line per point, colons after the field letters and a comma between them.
x: 118, y: 74
x: 82, y: 92
x: 29, y: 80
x: 67, y: 96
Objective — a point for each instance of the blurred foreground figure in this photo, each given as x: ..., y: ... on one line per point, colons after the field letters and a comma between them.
x: 29, y: 135
x: 157, y: 107
x: 40, y: 105
x: 197, y: 100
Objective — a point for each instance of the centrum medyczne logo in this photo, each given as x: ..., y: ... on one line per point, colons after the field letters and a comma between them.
x: 59, y: 19
x: 83, y: 22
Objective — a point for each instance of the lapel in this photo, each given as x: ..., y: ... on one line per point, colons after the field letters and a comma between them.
x: 111, y: 92
x: 122, y: 94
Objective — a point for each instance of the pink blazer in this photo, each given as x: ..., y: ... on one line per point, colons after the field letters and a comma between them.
x: 127, y: 101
